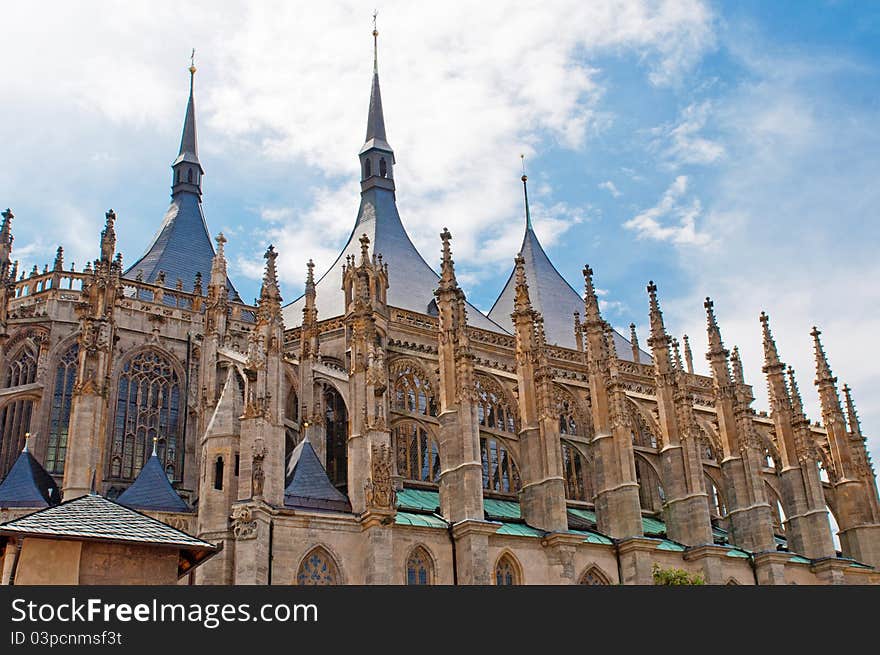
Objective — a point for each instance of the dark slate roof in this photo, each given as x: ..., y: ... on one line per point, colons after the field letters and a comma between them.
x: 376, y: 120
x: 93, y: 517
x: 309, y: 487
x: 181, y: 247
x: 551, y: 295
x: 189, y: 147
x: 152, y: 491
x: 411, y: 282
x: 28, y: 485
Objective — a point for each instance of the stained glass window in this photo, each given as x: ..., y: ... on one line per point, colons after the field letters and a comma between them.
x: 15, y: 422
x: 594, y: 576
x: 412, y: 393
x: 577, y: 479
x: 500, y: 472
x: 147, y: 406
x: 59, y: 416
x: 22, y: 369
x: 417, y: 454
x: 493, y: 408
x: 506, y: 571
x: 419, y: 568
x: 318, y: 568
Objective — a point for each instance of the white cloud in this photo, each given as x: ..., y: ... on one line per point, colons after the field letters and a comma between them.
x: 611, y: 188
x: 682, y: 144
x: 672, y: 219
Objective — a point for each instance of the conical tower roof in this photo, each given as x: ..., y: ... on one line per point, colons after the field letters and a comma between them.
x: 151, y: 490
x: 182, y: 247
x: 550, y: 295
x: 28, y: 484
x: 308, y: 486
x: 411, y: 281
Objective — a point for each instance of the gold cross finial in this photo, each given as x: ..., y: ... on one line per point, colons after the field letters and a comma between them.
x: 375, y: 43
x: 192, y: 62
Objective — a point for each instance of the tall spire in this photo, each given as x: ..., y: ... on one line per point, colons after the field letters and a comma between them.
x: 524, y: 179
x: 634, y: 342
x: 737, y: 366
x: 270, y: 295
x: 187, y: 168
x: 771, y: 354
x: 108, y: 237
x: 797, y: 403
x: 522, y: 304
x: 688, y: 354
x: 658, y: 329
x: 823, y: 370
x: 852, y: 418
x: 376, y: 155
x: 591, y: 300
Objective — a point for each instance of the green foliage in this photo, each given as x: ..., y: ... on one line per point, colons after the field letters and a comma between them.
x: 673, y: 576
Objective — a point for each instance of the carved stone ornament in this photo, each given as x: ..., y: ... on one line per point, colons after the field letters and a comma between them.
x: 379, y: 489
x: 258, y: 475
x: 243, y: 524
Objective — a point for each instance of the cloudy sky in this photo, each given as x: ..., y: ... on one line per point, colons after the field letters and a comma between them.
x: 729, y: 149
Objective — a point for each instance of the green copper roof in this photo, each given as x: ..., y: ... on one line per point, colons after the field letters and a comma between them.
x: 736, y: 552
x: 519, y: 530
x: 502, y: 509
x: 797, y: 559
x: 585, y: 514
x: 653, y: 527
x: 666, y: 544
x: 419, y: 520
x: 418, y: 499
x: 593, y: 537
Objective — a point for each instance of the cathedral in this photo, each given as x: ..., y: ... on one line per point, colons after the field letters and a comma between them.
x: 379, y: 429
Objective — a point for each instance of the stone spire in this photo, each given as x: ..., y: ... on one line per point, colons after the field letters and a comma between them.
x: 187, y: 169
x: 852, y: 418
x: 659, y: 341
x: 310, y: 312
x: 521, y: 305
x: 6, y: 244
x: 736, y: 366
x: 270, y: 295
x: 676, y: 354
x: 717, y: 354
x: 108, y: 237
x: 688, y: 355
x: 376, y: 155
x: 59, y: 260
x: 591, y: 300
x: 634, y: 342
x: 797, y: 403
x: 447, y: 265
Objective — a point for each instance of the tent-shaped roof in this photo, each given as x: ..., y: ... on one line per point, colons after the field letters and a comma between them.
x: 28, y: 484
x: 94, y: 518
x: 152, y: 491
x: 309, y: 487
x: 553, y: 297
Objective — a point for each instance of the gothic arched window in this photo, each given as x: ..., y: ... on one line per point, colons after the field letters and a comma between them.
x: 368, y: 169
x: 218, y: 473
x: 594, y: 576
x: 383, y: 167
x: 651, y: 494
x: 15, y: 422
x: 577, y: 479
x: 417, y: 455
x: 500, y: 472
x: 59, y: 416
x: 336, y: 424
x: 22, y: 369
x: 506, y: 571
x: 493, y: 409
x: 716, y: 500
x: 419, y: 567
x: 318, y: 568
x: 147, y: 407
x: 413, y: 393
x: 189, y: 175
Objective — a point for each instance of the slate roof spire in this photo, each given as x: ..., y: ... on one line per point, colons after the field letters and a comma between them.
x: 28, y: 484
x: 551, y: 295
x: 376, y: 155
x: 182, y: 247
x: 151, y: 490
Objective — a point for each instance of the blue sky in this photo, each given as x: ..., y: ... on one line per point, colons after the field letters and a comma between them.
x: 723, y: 149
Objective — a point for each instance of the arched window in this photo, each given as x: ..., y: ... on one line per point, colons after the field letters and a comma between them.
x: 506, y: 571
x: 732, y: 583
x: 417, y: 455
x: 318, y: 568
x: 651, y: 494
x: 500, y: 472
x: 594, y: 576
x: 641, y: 433
x: 291, y: 408
x: 493, y: 409
x: 577, y: 478
x: 383, y: 167
x: 368, y: 169
x: 419, y: 567
x: 147, y: 406
x: 218, y: 474
x: 413, y: 393
x: 189, y: 175
x: 178, y: 175
x: 59, y: 416
x: 717, y: 506
x: 570, y: 419
x: 15, y: 422
x: 22, y: 369
x: 336, y: 423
